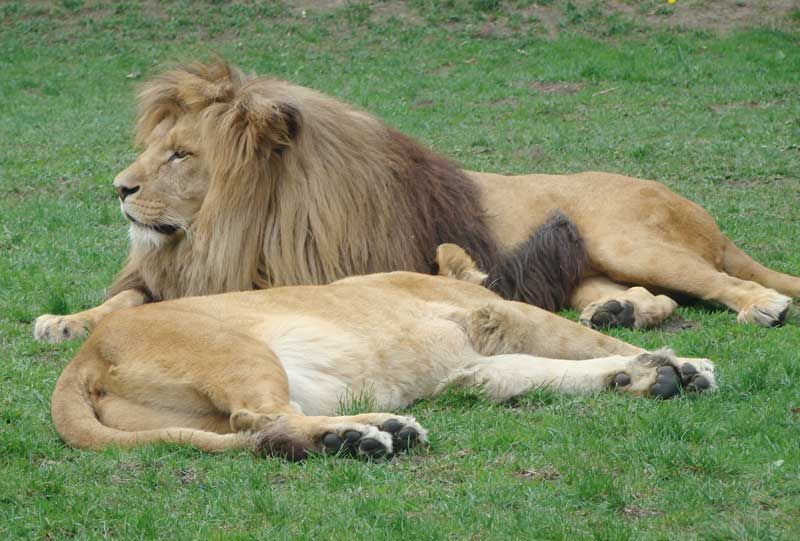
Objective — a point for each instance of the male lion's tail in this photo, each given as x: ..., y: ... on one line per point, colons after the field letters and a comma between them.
x: 77, y: 423
x: 545, y: 269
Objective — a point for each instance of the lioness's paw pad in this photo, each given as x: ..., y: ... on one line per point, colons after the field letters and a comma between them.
x: 406, y: 433
x: 394, y: 435
x: 662, y: 375
x: 611, y: 313
x: 56, y: 329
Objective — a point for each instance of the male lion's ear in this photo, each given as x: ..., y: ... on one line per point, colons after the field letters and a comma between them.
x: 254, y: 125
x: 454, y: 262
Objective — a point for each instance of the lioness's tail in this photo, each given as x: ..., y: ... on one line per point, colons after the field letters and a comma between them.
x: 77, y: 424
x: 545, y: 269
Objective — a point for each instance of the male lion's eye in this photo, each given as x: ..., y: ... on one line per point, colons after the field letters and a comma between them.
x: 177, y: 155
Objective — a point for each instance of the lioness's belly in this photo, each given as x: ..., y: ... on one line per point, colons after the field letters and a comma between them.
x: 332, y: 367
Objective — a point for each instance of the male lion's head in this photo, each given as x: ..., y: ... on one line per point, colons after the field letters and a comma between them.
x: 195, y: 123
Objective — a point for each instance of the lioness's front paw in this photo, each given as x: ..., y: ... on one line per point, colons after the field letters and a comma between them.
x: 662, y: 375
x: 56, y: 329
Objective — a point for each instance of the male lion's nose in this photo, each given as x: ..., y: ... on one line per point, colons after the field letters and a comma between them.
x: 125, y: 191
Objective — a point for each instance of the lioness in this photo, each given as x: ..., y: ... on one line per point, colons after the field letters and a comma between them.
x: 248, y: 183
x: 266, y: 370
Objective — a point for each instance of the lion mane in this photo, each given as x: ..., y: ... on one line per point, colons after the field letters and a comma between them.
x: 305, y: 189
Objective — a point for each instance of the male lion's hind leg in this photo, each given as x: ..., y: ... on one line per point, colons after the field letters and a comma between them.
x: 294, y: 437
x: 658, y: 375
x: 604, y: 304
x: 675, y: 269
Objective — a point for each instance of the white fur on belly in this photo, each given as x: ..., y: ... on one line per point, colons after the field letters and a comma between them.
x: 318, y: 359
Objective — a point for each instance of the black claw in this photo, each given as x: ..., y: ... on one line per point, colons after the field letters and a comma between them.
x: 392, y: 426
x: 406, y: 438
x: 622, y: 380
x: 372, y: 447
x: 332, y: 442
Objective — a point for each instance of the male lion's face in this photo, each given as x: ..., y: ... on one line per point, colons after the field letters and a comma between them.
x: 161, y: 192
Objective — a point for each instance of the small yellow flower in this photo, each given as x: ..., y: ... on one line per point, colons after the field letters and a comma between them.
x: 671, y: 1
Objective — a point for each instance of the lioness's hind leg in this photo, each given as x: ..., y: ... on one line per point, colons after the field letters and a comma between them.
x: 369, y: 435
x: 604, y: 303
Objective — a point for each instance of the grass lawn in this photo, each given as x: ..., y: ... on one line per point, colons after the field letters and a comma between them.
x: 706, y: 100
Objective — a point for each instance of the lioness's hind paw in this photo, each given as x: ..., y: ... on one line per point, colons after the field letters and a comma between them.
x: 395, y: 435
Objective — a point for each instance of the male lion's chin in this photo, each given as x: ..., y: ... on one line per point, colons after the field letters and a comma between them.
x: 146, y: 237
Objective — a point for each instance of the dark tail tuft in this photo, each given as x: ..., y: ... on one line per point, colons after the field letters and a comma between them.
x: 545, y: 269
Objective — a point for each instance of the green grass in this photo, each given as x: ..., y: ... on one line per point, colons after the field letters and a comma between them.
x: 712, y: 115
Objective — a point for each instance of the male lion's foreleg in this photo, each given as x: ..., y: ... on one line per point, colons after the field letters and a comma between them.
x: 369, y: 435
x: 604, y: 303
x: 658, y: 374
x: 53, y: 328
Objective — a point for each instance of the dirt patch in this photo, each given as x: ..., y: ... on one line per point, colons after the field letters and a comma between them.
x: 557, y: 88
x: 723, y: 107
x: 677, y: 324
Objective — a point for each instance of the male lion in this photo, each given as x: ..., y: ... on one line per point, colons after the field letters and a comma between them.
x: 247, y: 183
x: 266, y: 370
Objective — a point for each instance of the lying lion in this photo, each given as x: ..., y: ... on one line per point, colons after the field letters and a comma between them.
x: 248, y: 183
x: 266, y: 370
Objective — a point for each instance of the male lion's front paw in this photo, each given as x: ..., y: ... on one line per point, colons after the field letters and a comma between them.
x: 56, y: 329
x: 662, y: 375
x: 610, y: 313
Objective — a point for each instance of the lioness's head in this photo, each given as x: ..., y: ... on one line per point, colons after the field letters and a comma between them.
x: 162, y: 191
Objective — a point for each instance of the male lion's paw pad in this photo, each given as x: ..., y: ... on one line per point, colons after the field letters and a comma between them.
x: 668, y: 382
x: 613, y: 314
x: 56, y: 329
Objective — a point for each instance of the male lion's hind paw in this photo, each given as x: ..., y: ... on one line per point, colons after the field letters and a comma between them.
x: 770, y: 311
x: 612, y: 313
x: 661, y: 375
x: 56, y: 329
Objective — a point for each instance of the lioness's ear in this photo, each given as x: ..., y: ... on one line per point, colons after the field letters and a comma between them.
x: 454, y: 262
x: 256, y: 125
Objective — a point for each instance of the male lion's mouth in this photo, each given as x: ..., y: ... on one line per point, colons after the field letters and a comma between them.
x: 164, y: 229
